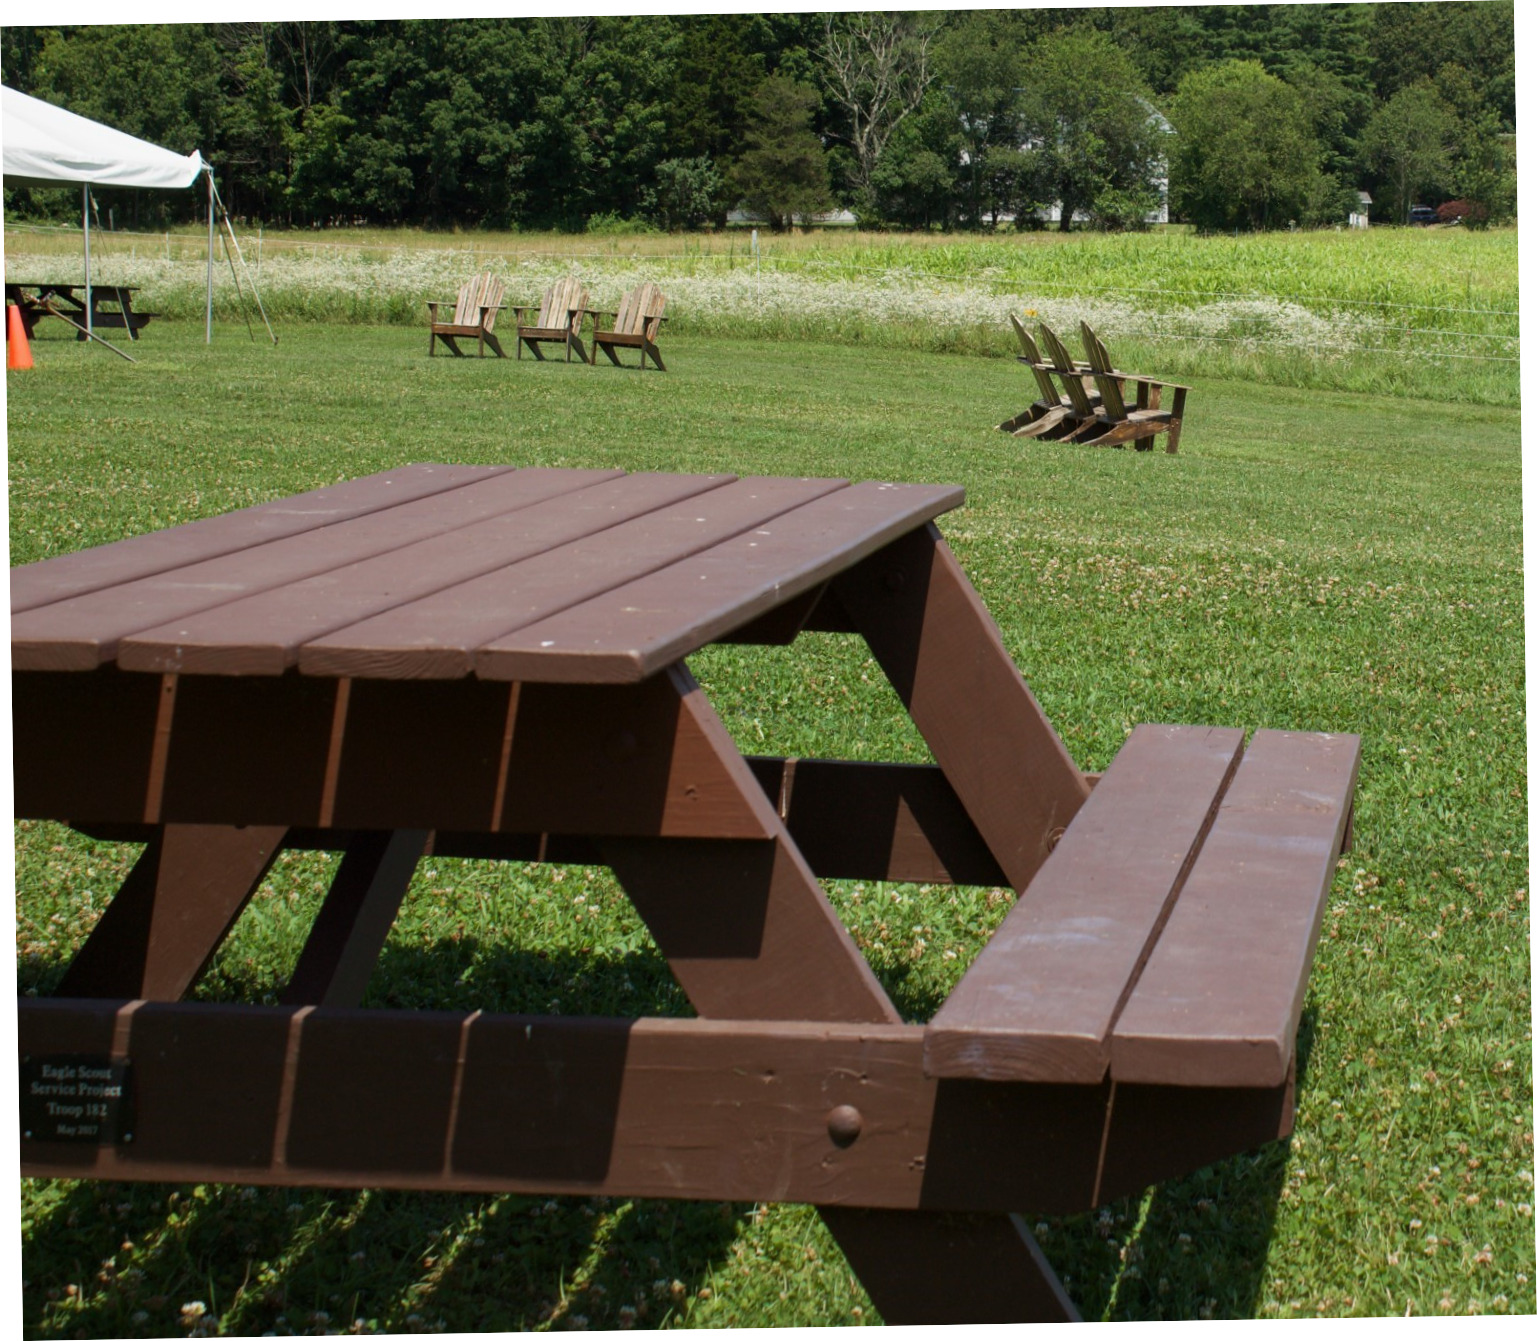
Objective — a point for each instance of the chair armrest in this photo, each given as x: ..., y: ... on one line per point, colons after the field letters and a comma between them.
x: 1144, y: 380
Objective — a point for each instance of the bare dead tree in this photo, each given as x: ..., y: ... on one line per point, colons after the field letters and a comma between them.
x: 877, y: 68
x: 309, y: 50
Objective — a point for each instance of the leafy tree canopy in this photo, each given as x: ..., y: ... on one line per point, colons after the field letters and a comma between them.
x: 1094, y: 136
x: 783, y: 174
x: 921, y: 119
x: 1245, y: 153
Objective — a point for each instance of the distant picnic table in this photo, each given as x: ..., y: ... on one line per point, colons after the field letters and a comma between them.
x: 490, y: 662
x: 111, y: 305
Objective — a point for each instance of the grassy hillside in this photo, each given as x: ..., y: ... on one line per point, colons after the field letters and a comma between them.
x: 1311, y: 559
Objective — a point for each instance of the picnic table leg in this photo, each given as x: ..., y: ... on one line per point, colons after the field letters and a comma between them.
x: 749, y: 934
x: 944, y: 656
x: 927, y: 1267
x: 744, y: 924
x: 173, y: 910
x: 344, y: 944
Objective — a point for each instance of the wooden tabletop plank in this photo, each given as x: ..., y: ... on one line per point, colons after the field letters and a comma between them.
x: 1039, y: 1001
x: 1220, y: 998
x: 83, y: 632
x: 67, y: 575
x: 261, y: 634
x: 631, y: 631
x: 437, y: 637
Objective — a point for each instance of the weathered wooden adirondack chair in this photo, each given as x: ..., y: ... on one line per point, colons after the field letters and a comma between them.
x: 1052, y: 415
x: 474, y: 316
x: 1105, y: 420
x: 1148, y: 418
x: 635, y: 326
x: 559, y: 320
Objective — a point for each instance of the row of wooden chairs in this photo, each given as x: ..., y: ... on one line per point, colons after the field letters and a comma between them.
x: 558, y: 319
x: 1090, y: 406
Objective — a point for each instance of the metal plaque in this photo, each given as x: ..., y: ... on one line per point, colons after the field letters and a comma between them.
x: 79, y: 1097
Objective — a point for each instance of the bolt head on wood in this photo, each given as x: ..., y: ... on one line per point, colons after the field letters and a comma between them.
x: 844, y: 1124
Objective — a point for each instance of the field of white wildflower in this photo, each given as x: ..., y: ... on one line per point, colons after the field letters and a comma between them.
x: 1429, y: 312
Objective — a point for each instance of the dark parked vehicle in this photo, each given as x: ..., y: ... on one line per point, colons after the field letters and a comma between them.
x: 1422, y: 214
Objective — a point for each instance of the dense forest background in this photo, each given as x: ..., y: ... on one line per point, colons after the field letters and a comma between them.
x: 1256, y: 116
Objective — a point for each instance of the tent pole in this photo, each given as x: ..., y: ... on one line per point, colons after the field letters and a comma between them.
x: 85, y: 225
x: 237, y: 254
x: 208, y: 335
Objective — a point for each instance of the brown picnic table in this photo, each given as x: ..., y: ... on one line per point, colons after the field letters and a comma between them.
x: 489, y: 662
x: 111, y: 306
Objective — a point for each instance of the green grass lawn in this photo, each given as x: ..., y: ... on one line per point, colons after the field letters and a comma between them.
x: 1310, y: 559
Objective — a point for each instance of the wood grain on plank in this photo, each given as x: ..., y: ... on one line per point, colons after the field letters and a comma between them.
x: 67, y: 575
x: 1220, y: 998
x: 633, y: 630
x: 83, y: 632
x: 851, y: 821
x: 645, y: 760
x: 261, y: 634
x: 437, y: 636
x: 714, y: 1109
x: 1039, y: 1001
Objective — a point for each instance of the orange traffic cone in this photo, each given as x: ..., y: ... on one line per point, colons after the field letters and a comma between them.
x: 18, y: 353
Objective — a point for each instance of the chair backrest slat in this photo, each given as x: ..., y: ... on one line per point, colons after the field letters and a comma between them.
x: 1109, y: 387
x: 485, y: 290
x: 491, y: 298
x: 1072, y: 379
x: 649, y: 301
x: 1032, y: 356
x: 564, y: 305
x: 1094, y: 348
x: 624, y: 319
x: 640, y: 311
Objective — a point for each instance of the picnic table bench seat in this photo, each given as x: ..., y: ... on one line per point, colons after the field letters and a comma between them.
x: 1168, y: 937
x: 489, y: 662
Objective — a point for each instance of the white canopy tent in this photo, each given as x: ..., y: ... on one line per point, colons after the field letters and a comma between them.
x: 44, y: 145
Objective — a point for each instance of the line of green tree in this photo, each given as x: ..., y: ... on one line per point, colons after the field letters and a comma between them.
x: 1246, y: 116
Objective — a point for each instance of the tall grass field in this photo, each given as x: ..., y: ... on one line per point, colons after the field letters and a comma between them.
x: 1336, y: 546
x: 1429, y: 312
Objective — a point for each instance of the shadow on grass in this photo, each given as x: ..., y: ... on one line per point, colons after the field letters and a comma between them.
x: 1201, y: 1249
